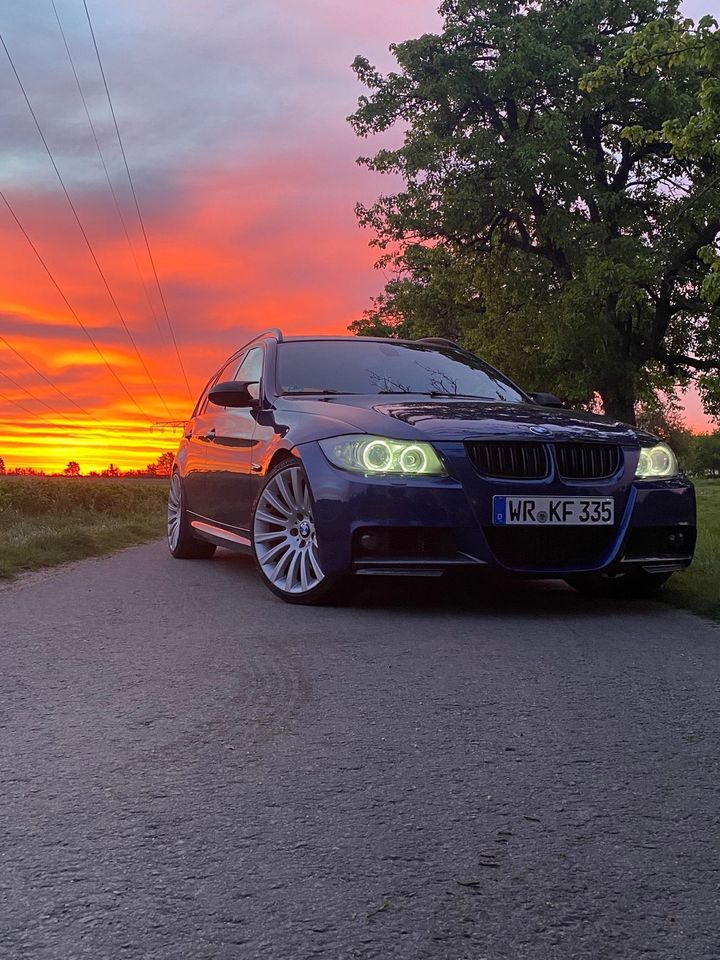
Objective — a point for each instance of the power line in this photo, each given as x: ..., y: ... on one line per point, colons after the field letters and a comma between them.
x: 137, y: 205
x: 32, y: 413
x: 70, y: 306
x: 33, y: 396
x: 75, y: 429
x: 48, y: 381
x: 105, y: 168
x: 82, y: 229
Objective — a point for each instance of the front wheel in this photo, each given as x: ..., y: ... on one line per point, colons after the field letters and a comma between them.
x: 181, y: 542
x: 637, y: 584
x: 284, y: 537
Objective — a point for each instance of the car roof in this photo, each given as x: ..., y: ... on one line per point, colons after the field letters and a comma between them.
x: 350, y: 338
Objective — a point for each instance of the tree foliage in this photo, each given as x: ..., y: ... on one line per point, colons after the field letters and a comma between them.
x: 535, y: 223
x: 703, y: 456
x: 670, y: 48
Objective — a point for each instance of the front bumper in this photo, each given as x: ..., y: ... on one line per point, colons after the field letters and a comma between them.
x: 427, y: 525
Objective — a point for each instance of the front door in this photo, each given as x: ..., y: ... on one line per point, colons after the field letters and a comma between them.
x: 232, y: 431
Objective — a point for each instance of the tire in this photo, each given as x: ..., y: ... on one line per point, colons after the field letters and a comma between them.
x: 284, y: 539
x: 181, y: 542
x: 630, y: 586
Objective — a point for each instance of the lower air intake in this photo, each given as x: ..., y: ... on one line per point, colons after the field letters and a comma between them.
x: 539, y: 548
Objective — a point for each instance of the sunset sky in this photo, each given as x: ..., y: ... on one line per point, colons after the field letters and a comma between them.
x: 233, y: 118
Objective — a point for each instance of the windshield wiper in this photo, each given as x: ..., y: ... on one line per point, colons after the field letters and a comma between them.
x: 324, y: 393
x: 460, y: 396
x: 433, y: 393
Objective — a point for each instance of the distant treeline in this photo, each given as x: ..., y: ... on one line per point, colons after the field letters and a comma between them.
x: 161, y: 468
x: 700, y: 455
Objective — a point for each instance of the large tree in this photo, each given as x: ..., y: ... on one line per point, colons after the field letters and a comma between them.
x: 533, y: 222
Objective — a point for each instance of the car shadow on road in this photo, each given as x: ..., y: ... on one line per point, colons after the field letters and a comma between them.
x: 477, y: 593
x: 501, y: 596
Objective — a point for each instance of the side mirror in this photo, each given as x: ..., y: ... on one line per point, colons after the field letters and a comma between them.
x: 544, y: 400
x: 232, y: 393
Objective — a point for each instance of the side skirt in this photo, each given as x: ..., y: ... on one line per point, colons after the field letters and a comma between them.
x: 220, y: 537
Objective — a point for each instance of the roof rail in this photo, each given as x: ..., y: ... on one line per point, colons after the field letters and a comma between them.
x: 271, y: 332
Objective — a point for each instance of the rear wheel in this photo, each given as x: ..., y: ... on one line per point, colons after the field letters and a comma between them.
x: 181, y: 542
x: 637, y: 584
x: 284, y: 537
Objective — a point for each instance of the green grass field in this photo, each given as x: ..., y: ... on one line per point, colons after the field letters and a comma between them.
x: 699, y: 587
x: 46, y: 521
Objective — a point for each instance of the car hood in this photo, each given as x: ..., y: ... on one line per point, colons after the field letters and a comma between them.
x: 466, y: 419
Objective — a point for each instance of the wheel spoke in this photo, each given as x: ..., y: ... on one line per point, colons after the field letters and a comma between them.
x: 273, y: 552
x: 304, y: 571
x: 269, y: 497
x: 279, y: 572
x: 315, y: 563
x: 269, y: 518
x: 291, y: 576
x: 271, y: 535
x: 298, y: 491
x: 285, y: 493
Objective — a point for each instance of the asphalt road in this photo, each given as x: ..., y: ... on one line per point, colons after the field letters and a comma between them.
x: 191, y: 769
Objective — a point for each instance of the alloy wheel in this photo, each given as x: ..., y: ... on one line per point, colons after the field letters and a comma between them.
x: 284, y: 533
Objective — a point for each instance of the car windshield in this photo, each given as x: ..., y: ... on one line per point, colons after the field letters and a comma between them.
x: 386, y: 367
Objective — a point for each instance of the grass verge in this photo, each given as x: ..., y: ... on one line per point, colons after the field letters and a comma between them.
x: 47, y: 521
x: 698, y: 588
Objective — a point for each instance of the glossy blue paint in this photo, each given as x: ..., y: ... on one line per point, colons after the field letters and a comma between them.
x: 222, y: 479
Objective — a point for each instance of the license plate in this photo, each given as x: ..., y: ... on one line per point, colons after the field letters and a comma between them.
x: 554, y: 511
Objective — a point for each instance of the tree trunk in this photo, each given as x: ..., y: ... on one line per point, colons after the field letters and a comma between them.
x: 618, y: 397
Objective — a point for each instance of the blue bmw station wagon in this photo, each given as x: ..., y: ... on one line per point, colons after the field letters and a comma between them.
x: 336, y: 456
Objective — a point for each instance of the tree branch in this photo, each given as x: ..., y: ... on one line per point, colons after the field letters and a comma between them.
x: 705, y: 235
x: 674, y: 360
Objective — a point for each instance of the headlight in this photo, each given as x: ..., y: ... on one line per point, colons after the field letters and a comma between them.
x: 369, y: 455
x: 656, y: 462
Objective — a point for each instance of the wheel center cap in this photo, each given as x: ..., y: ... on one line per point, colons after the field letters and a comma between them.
x: 304, y: 528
